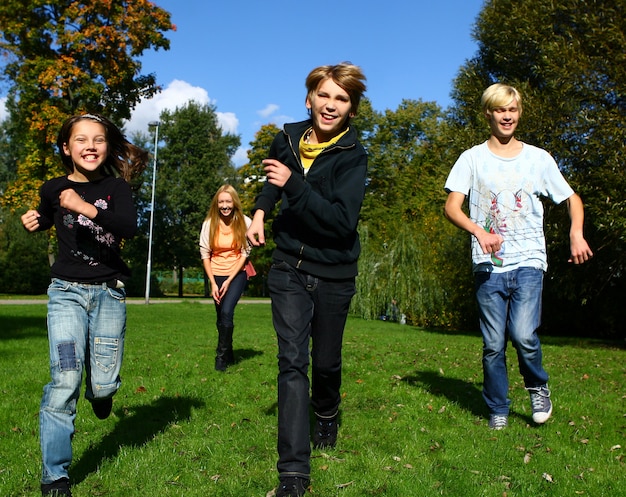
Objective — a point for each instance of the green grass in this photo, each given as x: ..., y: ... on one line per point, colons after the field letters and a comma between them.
x: 413, y: 421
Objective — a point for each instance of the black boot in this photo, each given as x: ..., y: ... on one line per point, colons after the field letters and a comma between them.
x: 224, y: 356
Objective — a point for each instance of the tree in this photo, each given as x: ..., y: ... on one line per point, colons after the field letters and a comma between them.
x: 567, y: 58
x: 410, y: 252
x: 194, y: 159
x: 64, y: 58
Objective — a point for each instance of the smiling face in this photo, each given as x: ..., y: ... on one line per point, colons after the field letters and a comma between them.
x: 330, y: 108
x: 225, y: 204
x: 88, y: 149
x: 503, y: 120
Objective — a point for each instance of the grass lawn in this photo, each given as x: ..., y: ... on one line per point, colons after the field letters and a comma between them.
x: 413, y: 421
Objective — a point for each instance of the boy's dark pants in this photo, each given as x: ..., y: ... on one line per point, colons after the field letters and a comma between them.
x: 306, y: 308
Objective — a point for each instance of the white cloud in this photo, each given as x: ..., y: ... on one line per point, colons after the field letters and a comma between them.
x: 176, y: 94
x: 3, y: 109
x: 268, y: 111
x: 228, y: 122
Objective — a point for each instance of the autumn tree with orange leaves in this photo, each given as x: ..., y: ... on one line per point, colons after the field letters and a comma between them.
x: 62, y: 58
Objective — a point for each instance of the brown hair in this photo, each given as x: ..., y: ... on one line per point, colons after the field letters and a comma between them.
x: 124, y: 159
x: 348, y: 76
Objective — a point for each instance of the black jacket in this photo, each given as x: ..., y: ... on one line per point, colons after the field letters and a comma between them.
x: 315, y: 229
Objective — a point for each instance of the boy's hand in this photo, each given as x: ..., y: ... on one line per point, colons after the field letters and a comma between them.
x: 256, y: 231
x: 30, y: 220
x: 277, y: 173
x: 580, y: 251
x: 489, y: 242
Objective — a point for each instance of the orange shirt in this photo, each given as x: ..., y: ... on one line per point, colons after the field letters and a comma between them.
x: 224, y: 258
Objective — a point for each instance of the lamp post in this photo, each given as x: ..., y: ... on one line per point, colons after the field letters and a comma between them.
x: 155, y: 124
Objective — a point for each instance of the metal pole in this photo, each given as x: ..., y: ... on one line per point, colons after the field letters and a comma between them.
x: 154, y: 169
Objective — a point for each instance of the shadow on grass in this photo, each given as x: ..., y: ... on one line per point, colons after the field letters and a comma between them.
x: 466, y: 395
x: 245, y: 354
x: 136, y: 427
x: 20, y: 327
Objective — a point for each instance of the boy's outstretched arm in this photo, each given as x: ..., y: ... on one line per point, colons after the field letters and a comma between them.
x: 580, y: 251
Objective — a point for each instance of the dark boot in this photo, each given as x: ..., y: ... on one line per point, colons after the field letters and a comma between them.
x: 224, y: 356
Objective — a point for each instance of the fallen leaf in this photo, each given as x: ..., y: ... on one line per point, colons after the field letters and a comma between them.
x: 527, y: 457
x: 396, y: 458
x: 344, y: 485
x: 141, y: 389
x: 216, y: 477
x: 615, y: 447
x: 548, y: 477
x: 442, y: 410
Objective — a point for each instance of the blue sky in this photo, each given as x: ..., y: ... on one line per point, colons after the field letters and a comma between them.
x: 249, y: 58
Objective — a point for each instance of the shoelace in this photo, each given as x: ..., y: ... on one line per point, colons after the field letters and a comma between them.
x: 499, y: 421
x: 537, y: 398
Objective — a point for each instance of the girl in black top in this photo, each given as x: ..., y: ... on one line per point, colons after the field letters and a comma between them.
x: 92, y: 210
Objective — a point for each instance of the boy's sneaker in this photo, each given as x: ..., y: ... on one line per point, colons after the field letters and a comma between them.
x: 292, y: 486
x: 102, y: 407
x: 325, y: 433
x: 58, y: 488
x: 498, y: 421
x: 540, y: 403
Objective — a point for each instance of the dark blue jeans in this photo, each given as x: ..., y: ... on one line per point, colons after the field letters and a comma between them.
x: 306, y: 309
x: 226, y: 309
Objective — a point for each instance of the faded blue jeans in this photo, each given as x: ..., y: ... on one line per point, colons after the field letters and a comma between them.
x: 509, y: 306
x: 306, y: 309
x: 86, y: 328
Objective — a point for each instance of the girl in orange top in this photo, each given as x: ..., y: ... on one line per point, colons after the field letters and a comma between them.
x: 224, y: 250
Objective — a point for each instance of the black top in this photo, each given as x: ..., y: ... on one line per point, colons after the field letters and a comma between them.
x: 316, y: 228
x: 89, y: 249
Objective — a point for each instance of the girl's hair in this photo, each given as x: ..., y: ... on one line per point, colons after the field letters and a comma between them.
x: 500, y: 95
x: 348, y: 76
x: 238, y: 223
x: 124, y: 159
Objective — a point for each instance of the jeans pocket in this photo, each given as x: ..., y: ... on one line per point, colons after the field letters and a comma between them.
x: 117, y: 293
x: 106, y: 352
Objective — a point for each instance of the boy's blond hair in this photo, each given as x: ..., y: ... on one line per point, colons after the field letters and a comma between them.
x: 500, y: 95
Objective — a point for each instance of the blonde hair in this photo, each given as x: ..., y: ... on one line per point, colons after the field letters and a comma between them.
x: 500, y: 95
x: 238, y: 223
x: 348, y: 76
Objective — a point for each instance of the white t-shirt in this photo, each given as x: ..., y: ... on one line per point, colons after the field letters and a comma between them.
x: 504, y: 198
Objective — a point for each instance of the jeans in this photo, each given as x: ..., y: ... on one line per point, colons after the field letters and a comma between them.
x: 306, y: 308
x: 225, y: 310
x: 509, y: 307
x: 86, y: 327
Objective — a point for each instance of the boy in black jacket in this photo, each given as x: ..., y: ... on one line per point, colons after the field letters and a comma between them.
x: 317, y: 169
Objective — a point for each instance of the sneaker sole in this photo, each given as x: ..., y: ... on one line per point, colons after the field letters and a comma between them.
x: 542, y: 417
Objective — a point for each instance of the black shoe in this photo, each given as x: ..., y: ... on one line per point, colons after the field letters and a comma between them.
x: 292, y: 486
x: 58, y: 488
x: 325, y: 433
x: 102, y: 407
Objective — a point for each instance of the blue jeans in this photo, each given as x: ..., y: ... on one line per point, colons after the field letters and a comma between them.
x: 306, y: 308
x: 509, y: 307
x: 226, y: 309
x: 86, y: 327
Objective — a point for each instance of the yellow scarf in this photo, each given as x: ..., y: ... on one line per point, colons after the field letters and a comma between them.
x: 309, y: 151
